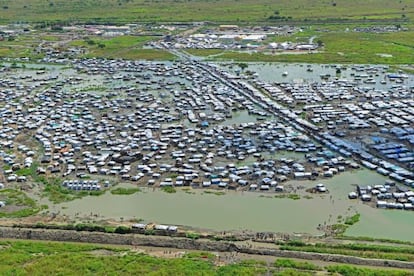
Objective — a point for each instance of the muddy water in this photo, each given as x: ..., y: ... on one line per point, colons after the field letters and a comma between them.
x: 379, y: 223
x: 232, y: 211
x: 298, y: 73
x: 240, y: 117
x: 254, y: 211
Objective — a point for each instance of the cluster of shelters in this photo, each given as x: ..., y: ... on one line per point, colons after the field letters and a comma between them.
x: 143, y: 227
x: 236, y: 42
x: 372, y: 162
x: 389, y: 196
x: 235, y: 38
x: 82, y: 185
x: 146, y: 122
x: 378, y: 120
x: 380, y: 29
x: 102, y: 30
x: 13, y: 30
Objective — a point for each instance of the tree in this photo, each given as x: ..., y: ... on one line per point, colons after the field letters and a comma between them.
x: 243, y: 66
x: 122, y: 230
x: 320, y: 43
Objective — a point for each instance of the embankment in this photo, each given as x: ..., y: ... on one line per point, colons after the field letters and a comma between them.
x: 185, y: 243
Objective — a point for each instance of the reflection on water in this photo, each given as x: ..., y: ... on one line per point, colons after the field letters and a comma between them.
x: 249, y: 210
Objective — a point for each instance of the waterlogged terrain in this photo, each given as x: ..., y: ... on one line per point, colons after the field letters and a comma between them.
x: 379, y: 223
x: 309, y: 73
x: 253, y: 211
x: 238, y: 137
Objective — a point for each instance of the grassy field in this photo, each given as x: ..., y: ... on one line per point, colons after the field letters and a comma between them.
x: 42, y: 258
x: 375, y: 251
x: 126, y: 47
x: 125, y: 191
x: 56, y: 193
x: 201, y: 10
x: 21, y: 46
x: 18, y: 204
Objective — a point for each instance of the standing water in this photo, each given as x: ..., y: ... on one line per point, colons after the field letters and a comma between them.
x: 254, y: 211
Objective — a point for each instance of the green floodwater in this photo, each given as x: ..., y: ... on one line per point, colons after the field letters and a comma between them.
x: 254, y: 211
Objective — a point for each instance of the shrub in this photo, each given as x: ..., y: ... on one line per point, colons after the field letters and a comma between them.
x: 122, y: 230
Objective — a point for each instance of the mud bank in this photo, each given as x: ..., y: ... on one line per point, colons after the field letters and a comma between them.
x: 185, y: 243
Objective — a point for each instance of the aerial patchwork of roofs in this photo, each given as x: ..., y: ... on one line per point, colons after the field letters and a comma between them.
x: 94, y: 123
x: 233, y: 37
x: 265, y: 39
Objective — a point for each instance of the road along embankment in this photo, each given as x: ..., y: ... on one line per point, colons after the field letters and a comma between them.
x: 186, y: 243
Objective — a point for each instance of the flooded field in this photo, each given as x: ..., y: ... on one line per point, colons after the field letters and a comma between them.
x: 253, y: 211
x: 299, y: 73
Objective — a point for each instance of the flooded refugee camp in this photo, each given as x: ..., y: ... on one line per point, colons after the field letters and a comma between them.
x: 211, y: 147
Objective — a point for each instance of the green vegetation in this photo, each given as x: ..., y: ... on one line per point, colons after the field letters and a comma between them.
x: 219, y: 193
x: 339, y: 47
x: 22, y: 46
x: 123, y: 230
x: 249, y: 267
x: 323, y: 57
x: 173, y: 175
x: 293, y: 272
x: 352, y: 220
x: 127, y: 47
x: 370, y: 239
x: 102, y: 11
x: 168, y: 189
x: 54, y: 258
x: 76, y: 227
x: 93, y: 88
x: 18, y: 204
x: 199, y: 255
x: 30, y: 171
x: 188, y: 191
x: 205, y: 52
x: 347, y: 270
x: 339, y: 229
x: 290, y: 196
x: 42, y: 258
x: 57, y: 194
x: 294, y: 196
x: 288, y: 263
x: 354, y: 249
x: 192, y: 235
x: 125, y: 191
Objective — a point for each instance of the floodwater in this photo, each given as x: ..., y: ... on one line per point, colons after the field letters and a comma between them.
x: 240, y: 117
x: 252, y: 210
x: 298, y: 73
x: 380, y: 223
